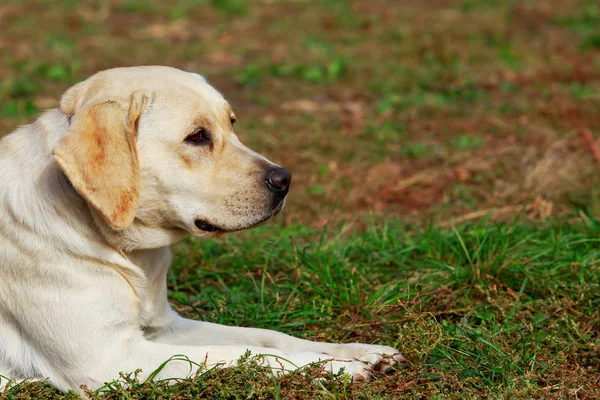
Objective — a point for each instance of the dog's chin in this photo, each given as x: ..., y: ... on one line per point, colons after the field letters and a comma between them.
x: 206, y: 227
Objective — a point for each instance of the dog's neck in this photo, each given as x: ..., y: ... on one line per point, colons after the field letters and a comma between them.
x: 138, y: 236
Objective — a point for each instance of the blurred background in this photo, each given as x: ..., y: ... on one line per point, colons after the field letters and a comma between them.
x: 438, y: 109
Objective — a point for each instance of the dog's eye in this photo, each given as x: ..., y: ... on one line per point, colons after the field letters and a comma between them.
x: 232, y: 119
x: 200, y: 136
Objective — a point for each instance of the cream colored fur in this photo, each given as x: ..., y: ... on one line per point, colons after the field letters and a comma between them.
x: 91, y: 196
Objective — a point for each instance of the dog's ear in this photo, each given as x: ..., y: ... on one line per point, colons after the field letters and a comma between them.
x: 98, y: 154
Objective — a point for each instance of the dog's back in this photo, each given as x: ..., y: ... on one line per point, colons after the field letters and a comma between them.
x: 25, y: 235
x: 16, y: 186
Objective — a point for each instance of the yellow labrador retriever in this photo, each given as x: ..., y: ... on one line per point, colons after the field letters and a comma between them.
x: 92, y: 195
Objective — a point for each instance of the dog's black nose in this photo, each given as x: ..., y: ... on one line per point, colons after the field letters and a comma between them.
x: 278, y: 180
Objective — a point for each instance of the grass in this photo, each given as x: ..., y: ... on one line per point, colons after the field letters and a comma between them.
x: 396, y: 118
x: 482, y: 310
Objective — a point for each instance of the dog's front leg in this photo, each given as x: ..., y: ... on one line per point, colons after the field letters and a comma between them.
x: 163, y: 325
x: 190, y: 332
x: 184, y: 361
x: 87, y: 331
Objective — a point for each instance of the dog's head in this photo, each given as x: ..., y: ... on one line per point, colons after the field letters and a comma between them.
x: 156, y: 147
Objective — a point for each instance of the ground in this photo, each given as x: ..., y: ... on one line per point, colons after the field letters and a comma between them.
x: 445, y: 193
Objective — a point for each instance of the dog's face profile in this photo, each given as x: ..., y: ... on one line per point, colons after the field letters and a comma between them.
x: 195, y: 172
x: 159, y: 147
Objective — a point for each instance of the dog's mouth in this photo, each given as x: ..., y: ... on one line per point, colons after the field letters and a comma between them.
x: 206, y: 227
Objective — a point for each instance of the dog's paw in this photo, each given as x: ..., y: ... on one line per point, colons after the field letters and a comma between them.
x: 358, y: 371
x: 378, y: 357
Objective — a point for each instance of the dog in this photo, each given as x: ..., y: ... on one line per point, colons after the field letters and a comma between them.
x: 91, y: 196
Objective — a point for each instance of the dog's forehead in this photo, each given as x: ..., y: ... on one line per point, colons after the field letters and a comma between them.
x: 193, y: 101
x: 199, y: 86
x: 157, y: 78
x: 172, y: 79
